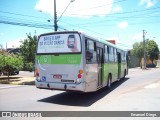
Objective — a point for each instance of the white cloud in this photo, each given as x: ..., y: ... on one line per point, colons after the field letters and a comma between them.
x: 14, y: 43
x: 117, y: 9
x: 76, y: 8
x: 148, y: 3
x: 123, y: 25
x: 138, y: 37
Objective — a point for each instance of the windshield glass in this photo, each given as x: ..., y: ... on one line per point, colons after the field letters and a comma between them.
x: 59, y: 43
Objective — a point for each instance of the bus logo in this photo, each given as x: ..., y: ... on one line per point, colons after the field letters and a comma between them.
x: 71, y: 41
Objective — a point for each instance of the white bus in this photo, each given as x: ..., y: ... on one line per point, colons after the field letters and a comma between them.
x: 74, y: 61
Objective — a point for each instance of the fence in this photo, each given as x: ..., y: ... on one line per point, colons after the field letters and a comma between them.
x: 134, y: 61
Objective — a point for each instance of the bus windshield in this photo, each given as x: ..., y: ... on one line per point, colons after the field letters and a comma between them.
x: 59, y: 43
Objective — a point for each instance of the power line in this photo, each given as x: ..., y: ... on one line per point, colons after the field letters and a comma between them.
x: 136, y: 11
x: 40, y: 25
x: 95, y: 32
x: 18, y: 19
x: 99, y: 6
x: 91, y: 22
x: 35, y: 25
x: 27, y: 24
x: 65, y: 9
x: 84, y: 28
x: 116, y: 20
x: 12, y: 13
x: 98, y: 22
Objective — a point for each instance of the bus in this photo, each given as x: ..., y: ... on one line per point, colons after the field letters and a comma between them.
x: 74, y: 61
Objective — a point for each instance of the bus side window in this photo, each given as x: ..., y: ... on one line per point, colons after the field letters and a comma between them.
x: 106, y: 54
x: 111, y: 57
x: 124, y: 56
x: 90, y: 51
x: 115, y: 54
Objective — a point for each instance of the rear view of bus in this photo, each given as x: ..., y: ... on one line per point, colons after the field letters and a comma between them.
x: 59, y: 61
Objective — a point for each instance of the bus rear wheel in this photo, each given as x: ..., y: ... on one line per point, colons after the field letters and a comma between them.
x: 109, y: 82
x: 124, y: 75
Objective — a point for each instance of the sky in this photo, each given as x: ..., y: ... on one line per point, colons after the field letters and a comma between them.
x: 120, y: 20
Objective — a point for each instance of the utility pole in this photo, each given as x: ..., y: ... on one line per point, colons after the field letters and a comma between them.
x: 144, y: 48
x: 55, y: 14
x: 55, y: 17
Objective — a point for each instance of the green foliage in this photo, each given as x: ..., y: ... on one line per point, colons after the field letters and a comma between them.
x: 28, y: 66
x: 151, y: 49
x: 28, y: 49
x: 10, y: 62
x: 137, y: 50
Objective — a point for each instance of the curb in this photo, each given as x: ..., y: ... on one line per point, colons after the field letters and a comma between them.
x: 17, y: 80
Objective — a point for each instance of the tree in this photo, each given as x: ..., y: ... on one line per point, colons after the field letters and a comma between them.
x: 10, y: 62
x: 1, y: 47
x: 28, y: 49
x: 137, y: 50
x: 152, y: 50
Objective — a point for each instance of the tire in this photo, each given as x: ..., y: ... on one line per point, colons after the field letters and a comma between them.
x: 124, y: 75
x: 109, y: 82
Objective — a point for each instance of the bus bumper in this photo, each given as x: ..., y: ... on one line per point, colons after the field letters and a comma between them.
x: 61, y: 86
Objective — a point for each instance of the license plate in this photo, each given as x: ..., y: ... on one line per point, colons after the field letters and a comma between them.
x: 57, y: 76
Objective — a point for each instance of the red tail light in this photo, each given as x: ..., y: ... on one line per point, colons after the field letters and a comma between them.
x: 79, y: 76
x: 37, y: 74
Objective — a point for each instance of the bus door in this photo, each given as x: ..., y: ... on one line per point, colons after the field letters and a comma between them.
x: 99, y: 62
x: 119, y: 64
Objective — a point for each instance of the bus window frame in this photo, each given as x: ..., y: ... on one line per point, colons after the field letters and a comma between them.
x: 87, y: 49
x: 106, y: 52
x: 56, y: 54
x: 115, y: 54
x: 110, y: 53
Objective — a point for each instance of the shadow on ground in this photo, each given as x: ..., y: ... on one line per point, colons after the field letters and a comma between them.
x: 81, y: 99
x: 28, y: 83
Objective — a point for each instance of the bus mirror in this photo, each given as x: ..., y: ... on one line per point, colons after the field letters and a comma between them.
x: 89, y: 55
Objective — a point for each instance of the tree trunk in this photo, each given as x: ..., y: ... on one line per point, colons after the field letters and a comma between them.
x: 8, y: 76
x: 152, y: 62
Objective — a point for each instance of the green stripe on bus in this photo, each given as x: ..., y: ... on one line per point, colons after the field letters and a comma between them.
x: 60, y: 59
x: 109, y: 68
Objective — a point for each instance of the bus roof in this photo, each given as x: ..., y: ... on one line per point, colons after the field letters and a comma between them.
x: 104, y: 41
